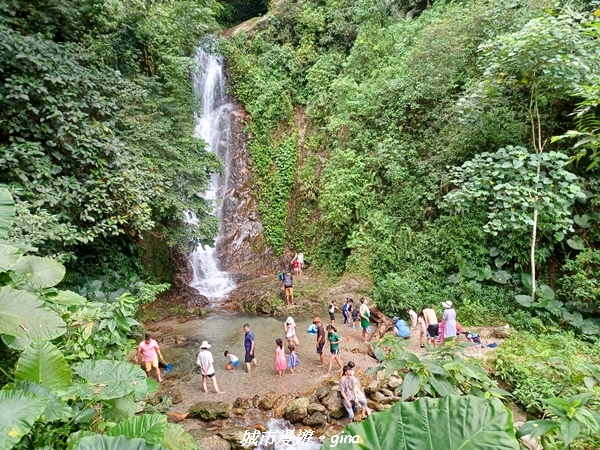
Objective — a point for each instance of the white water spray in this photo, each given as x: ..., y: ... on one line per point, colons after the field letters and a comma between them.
x: 214, y: 127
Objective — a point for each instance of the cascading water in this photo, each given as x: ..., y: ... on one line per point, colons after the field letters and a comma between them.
x: 213, y: 125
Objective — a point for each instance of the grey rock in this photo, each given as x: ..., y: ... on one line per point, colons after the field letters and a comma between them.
x: 316, y: 419
x: 297, y: 410
x: 316, y: 407
x: 210, y: 411
x: 334, y: 405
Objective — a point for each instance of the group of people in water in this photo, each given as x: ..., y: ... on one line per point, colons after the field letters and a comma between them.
x: 286, y: 357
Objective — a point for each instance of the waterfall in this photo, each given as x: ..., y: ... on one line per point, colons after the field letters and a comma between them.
x: 213, y: 125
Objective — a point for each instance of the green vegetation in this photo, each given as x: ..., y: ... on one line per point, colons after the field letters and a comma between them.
x: 66, y: 381
x: 448, y: 150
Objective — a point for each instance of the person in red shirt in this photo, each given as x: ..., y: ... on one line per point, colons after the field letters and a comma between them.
x: 150, y: 352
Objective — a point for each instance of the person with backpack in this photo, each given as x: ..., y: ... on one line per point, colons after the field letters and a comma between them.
x: 288, y: 284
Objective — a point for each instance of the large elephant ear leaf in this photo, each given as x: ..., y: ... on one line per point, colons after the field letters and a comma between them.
x: 102, y: 442
x: 452, y: 422
x: 44, y: 364
x: 150, y: 427
x: 109, y: 379
x: 24, y: 316
x: 7, y: 212
x: 37, y: 272
x: 18, y: 412
x: 56, y: 409
x: 8, y: 257
x: 177, y: 438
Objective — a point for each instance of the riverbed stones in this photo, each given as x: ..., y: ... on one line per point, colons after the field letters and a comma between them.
x: 241, y: 403
x: 316, y: 419
x: 265, y: 403
x: 393, y: 382
x: 334, y: 405
x: 297, y: 410
x: 213, y: 442
x: 322, y: 392
x: 316, y: 407
x: 280, y: 405
x: 210, y: 411
x: 234, y: 436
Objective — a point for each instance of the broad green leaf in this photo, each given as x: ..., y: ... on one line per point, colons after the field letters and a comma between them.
x: 536, y: 428
x: 570, y: 429
x: 525, y: 300
x: 120, y: 408
x: 545, y: 291
x: 433, y: 424
x: 583, y: 221
x: 177, y: 438
x: 74, y: 438
x: 24, y: 316
x: 44, y: 364
x: 590, y: 327
x: 66, y: 298
x: 379, y: 353
x: 576, y: 243
x: 501, y: 276
x: 38, y: 272
x: 526, y: 280
x: 16, y: 343
x: 109, y: 379
x: 101, y: 442
x: 18, y: 412
x: 8, y: 257
x: 410, y: 385
x: 442, y: 386
x: 56, y: 408
x: 7, y: 212
x: 494, y: 252
x: 150, y: 427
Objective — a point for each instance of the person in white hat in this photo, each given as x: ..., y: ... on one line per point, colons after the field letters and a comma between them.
x: 205, y: 361
x: 290, y: 332
x: 449, y: 317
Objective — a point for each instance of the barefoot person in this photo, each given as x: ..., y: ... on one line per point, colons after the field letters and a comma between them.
x: 205, y: 361
x: 293, y: 360
x: 334, y: 347
x: 232, y: 360
x: 365, y: 321
x: 299, y: 258
x: 280, y: 362
x: 150, y: 352
x: 432, y: 325
x: 290, y: 332
x: 361, y: 398
x: 249, y: 347
x: 320, y: 339
x: 288, y: 284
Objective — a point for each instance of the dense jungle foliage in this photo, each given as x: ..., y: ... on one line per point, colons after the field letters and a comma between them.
x: 98, y: 155
x: 449, y: 150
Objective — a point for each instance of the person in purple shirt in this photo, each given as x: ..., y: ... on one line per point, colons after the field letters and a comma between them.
x: 249, y: 346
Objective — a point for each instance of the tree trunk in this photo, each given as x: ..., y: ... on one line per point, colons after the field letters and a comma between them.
x: 384, y: 325
x: 533, y: 239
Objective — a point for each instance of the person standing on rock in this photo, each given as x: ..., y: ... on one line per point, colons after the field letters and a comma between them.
x: 299, y: 257
x: 288, y: 284
x: 150, y: 352
x: 249, y: 347
x: 365, y: 322
x: 290, y: 332
x: 320, y: 340
x: 207, y: 366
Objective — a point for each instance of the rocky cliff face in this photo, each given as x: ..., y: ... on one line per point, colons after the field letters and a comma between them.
x: 241, y: 246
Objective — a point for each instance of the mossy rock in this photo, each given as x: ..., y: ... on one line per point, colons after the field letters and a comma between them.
x: 210, y: 411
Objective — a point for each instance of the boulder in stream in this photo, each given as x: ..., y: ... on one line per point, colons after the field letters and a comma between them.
x: 297, y: 410
x: 210, y: 411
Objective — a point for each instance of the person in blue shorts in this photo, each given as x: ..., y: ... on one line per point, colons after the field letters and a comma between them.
x: 233, y: 360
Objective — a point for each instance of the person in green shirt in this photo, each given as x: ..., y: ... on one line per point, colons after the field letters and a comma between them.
x: 334, y: 347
